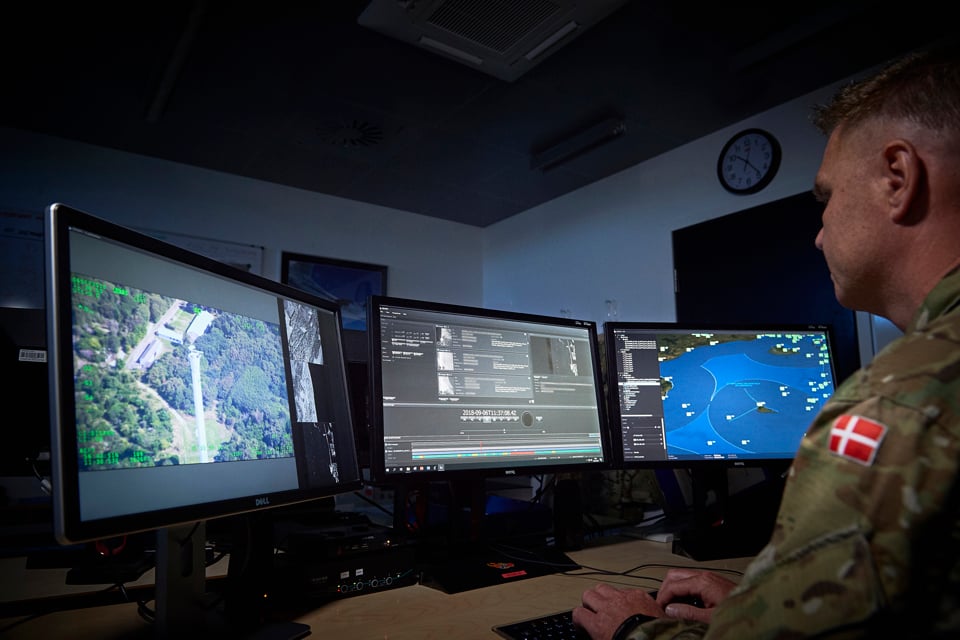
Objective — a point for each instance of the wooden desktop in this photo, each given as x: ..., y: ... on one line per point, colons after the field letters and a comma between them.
x: 415, y: 611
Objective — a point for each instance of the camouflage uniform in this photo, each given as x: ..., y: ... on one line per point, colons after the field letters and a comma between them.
x: 867, y: 540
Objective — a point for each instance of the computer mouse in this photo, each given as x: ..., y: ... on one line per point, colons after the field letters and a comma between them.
x: 693, y: 601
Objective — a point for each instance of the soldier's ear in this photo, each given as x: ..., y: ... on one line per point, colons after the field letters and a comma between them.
x: 903, y: 175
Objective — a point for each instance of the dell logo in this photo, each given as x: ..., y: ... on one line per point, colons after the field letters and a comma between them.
x: 262, y: 502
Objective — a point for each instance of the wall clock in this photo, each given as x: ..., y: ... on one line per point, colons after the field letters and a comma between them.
x: 748, y: 161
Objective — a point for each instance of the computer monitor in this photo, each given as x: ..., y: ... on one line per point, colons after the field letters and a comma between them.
x: 465, y: 391
x: 184, y: 390
x: 464, y: 395
x: 709, y: 397
x: 686, y: 395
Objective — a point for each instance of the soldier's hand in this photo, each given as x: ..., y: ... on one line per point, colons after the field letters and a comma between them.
x: 692, y: 594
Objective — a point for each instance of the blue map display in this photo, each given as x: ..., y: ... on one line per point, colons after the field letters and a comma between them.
x: 736, y: 397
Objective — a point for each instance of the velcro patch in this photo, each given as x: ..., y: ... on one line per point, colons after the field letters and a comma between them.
x: 856, y: 438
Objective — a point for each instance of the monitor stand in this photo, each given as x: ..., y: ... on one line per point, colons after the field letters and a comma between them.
x: 180, y: 579
x: 736, y: 526
x: 185, y: 608
x: 467, y: 552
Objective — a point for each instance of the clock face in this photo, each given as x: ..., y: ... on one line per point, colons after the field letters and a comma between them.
x: 748, y: 161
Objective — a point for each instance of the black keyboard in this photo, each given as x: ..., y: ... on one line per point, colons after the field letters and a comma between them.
x: 553, y: 626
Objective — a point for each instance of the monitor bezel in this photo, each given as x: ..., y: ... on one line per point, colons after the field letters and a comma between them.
x: 377, y: 463
x: 699, y: 464
x: 69, y: 526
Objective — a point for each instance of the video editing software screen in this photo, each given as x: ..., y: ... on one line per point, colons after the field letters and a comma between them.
x: 463, y: 389
x: 184, y: 389
x: 685, y: 394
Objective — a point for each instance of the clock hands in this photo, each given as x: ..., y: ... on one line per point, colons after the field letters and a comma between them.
x: 746, y: 163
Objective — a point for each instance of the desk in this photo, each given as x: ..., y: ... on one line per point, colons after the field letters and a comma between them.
x: 414, y: 612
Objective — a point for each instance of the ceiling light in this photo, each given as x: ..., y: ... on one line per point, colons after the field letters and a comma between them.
x: 578, y: 143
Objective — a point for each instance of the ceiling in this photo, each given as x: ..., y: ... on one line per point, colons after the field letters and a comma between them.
x: 300, y: 94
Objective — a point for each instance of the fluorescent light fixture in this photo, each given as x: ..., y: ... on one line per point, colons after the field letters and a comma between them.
x: 579, y: 143
x: 453, y: 51
x: 552, y: 40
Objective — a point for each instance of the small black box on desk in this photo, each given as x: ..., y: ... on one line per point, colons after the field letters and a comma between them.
x: 347, y: 556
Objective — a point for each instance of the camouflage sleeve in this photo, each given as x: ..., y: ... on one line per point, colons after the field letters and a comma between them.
x: 667, y: 628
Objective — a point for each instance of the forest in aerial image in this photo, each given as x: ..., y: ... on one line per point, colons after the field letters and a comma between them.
x: 163, y: 381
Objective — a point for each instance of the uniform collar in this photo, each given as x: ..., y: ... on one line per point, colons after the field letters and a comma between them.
x: 944, y: 298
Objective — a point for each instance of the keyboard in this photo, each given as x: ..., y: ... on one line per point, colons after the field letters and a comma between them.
x: 553, y: 626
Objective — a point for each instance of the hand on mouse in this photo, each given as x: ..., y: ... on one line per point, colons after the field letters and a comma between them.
x: 605, y: 607
x: 692, y: 594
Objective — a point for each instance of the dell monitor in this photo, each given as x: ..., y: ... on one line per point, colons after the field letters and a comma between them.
x: 465, y: 394
x: 709, y: 397
x: 464, y: 391
x: 184, y: 390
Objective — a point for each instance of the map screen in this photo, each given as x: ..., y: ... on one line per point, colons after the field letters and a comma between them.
x: 705, y: 394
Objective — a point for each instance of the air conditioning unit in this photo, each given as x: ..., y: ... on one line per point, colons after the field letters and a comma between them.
x: 503, y: 38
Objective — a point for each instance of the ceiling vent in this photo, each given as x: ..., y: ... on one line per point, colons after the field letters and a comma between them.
x: 352, y: 133
x: 503, y: 38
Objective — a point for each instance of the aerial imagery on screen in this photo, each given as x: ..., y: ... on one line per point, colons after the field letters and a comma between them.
x: 164, y: 381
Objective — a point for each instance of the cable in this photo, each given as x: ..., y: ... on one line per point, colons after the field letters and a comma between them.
x: 17, y: 623
x: 45, y: 485
x: 373, y: 502
x: 143, y: 610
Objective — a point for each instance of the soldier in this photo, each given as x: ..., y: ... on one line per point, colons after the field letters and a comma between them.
x: 867, y: 539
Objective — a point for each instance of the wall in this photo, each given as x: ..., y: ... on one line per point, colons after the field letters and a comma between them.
x: 154, y: 194
x: 612, y: 239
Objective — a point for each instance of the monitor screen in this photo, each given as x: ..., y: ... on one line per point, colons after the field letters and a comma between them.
x: 684, y: 395
x: 469, y: 390
x: 184, y: 389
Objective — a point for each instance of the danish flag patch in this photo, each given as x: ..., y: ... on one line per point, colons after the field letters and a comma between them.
x: 856, y: 438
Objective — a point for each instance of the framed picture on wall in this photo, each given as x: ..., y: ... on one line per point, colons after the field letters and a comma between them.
x: 348, y: 283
